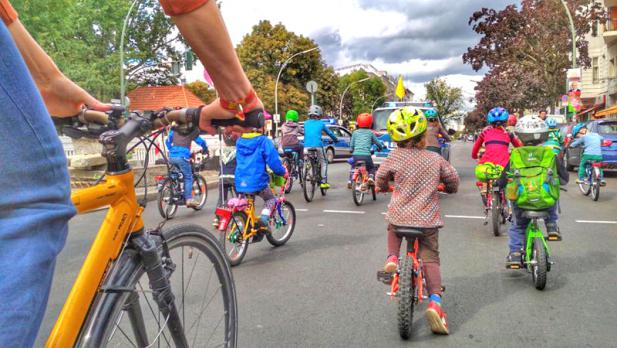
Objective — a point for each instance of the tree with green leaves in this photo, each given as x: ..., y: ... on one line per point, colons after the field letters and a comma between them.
x: 361, y: 95
x: 263, y: 53
x: 83, y: 38
x: 447, y: 100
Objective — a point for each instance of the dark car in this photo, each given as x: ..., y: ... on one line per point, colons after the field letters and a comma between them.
x: 340, y: 149
x: 608, y: 130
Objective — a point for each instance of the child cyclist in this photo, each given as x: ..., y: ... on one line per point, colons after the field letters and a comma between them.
x: 362, y: 140
x: 434, y: 132
x: 534, y: 132
x: 496, y: 141
x: 313, y: 129
x: 592, y: 143
x: 291, y: 130
x: 253, y: 152
x: 416, y: 173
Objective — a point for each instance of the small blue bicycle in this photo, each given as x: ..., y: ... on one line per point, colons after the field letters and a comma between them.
x: 593, y: 179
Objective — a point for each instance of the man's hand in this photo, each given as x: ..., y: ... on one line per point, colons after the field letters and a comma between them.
x: 214, y: 110
x: 64, y: 98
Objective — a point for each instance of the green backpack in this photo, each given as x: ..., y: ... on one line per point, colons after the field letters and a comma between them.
x: 534, y: 182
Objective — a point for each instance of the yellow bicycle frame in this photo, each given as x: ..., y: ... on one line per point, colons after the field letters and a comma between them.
x: 122, y: 219
x: 250, y: 220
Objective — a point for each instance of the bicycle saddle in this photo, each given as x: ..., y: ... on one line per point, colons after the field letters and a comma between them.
x: 408, y: 232
x: 531, y: 214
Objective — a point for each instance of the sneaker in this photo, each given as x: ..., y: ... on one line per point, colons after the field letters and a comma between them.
x: 264, y: 219
x: 191, y: 203
x: 553, y: 232
x: 349, y: 185
x: 324, y: 185
x: 391, y: 264
x: 514, y: 260
x: 370, y: 181
x: 437, y: 318
x: 215, y: 222
x: 602, y: 182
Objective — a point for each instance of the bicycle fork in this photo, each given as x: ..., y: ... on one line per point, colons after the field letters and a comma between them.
x: 159, y: 270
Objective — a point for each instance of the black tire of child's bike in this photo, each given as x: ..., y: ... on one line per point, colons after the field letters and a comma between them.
x: 595, y: 184
x: 238, y: 221
x: 374, y: 193
x: 406, y: 292
x: 166, y: 196
x: 540, y: 268
x: 310, y: 181
x: 356, y: 192
x: 495, y: 214
x: 200, y: 184
x: 290, y: 227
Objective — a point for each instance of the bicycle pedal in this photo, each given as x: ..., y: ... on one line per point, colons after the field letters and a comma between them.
x: 513, y: 266
x: 385, y: 277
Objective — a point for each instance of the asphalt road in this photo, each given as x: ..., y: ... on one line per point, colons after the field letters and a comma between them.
x: 320, y: 289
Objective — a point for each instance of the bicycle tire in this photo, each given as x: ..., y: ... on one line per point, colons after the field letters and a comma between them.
x: 168, y: 210
x: 374, y: 192
x: 275, y: 241
x: 586, y: 189
x: 237, y: 224
x: 201, y: 185
x: 539, y: 270
x: 104, y: 322
x: 595, y: 184
x: 406, y: 291
x: 308, y: 189
x: 495, y: 215
x: 356, y: 192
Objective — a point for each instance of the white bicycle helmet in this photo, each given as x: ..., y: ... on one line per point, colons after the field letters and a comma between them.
x: 531, y: 130
x: 315, y: 111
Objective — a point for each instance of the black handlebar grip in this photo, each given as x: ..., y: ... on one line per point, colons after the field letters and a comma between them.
x: 253, y: 119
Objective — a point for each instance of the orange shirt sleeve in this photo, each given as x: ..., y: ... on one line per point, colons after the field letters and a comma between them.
x: 7, y: 12
x: 178, y: 7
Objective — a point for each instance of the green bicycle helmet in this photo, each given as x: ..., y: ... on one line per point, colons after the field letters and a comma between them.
x: 291, y: 115
x: 406, y: 123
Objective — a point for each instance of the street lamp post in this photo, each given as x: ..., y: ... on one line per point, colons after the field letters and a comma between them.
x: 276, y: 85
x: 122, y: 82
x: 340, y: 110
x: 376, y: 100
x: 573, y: 32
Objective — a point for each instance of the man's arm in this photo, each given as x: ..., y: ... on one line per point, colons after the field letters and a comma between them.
x: 273, y: 159
x: 449, y: 177
x: 169, y: 140
x: 377, y: 142
x: 444, y: 134
x: 352, y: 143
x: 201, y: 143
x: 383, y: 175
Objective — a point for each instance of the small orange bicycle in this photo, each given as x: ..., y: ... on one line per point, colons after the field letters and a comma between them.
x: 239, y: 224
x: 408, y: 283
x: 361, y: 184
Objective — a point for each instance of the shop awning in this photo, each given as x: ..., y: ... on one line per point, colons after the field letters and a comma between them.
x: 606, y: 112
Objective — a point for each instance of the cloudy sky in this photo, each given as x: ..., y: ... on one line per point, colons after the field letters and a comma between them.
x: 420, y: 39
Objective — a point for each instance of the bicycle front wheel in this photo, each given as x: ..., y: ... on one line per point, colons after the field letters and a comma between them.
x: 309, y: 181
x: 282, y: 224
x: 356, y: 192
x: 287, y: 163
x: 125, y: 314
x: 539, y: 264
x: 495, y: 214
x: 167, y: 206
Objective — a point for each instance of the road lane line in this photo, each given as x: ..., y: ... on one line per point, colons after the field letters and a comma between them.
x: 301, y: 209
x: 465, y: 217
x: 344, y: 211
x: 595, y: 222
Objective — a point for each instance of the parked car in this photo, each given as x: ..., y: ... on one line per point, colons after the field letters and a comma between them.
x: 608, y: 130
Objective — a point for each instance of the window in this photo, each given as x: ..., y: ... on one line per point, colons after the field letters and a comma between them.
x: 595, y: 70
x: 594, y: 28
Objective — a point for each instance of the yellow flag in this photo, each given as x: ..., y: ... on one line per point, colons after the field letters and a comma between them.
x: 400, y: 89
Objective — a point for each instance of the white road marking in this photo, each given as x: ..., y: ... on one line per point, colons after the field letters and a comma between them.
x: 344, y: 211
x: 384, y: 213
x: 595, y: 222
x: 465, y: 217
x: 301, y: 209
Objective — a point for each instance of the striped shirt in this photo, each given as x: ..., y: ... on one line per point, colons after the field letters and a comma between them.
x: 361, y: 142
x: 416, y: 174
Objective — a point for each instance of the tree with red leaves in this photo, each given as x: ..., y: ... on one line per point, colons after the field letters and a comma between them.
x: 527, y: 51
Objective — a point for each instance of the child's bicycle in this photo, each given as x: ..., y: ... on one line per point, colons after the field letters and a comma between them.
x: 593, y: 180
x: 536, y: 253
x: 360, y: 183
x: 497, y: 206
x: 294, y: 165
x: 239, y: 223
x: 311, y: 175
x: 408, y: 283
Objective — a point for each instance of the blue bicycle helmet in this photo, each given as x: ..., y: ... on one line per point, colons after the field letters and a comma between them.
x: 551, y: 123
x: 430, y: 114
x: 577, y: 129
x: 497, y: 114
